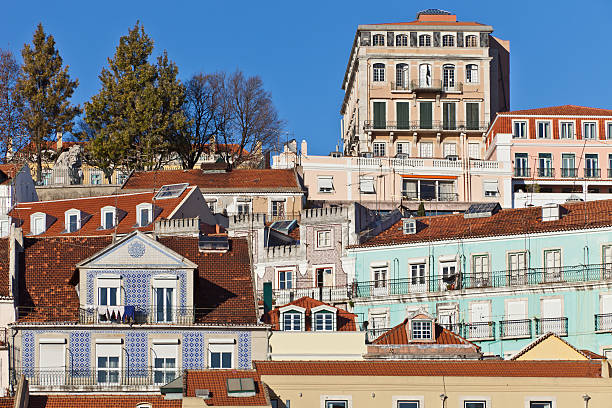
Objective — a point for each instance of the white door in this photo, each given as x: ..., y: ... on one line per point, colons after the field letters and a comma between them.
x: 605, y: 322
x: 479, y: 319
x: 517, y: 264
x: 552, y: 311
x: 553, y: 265
x: 516, y: 314
x: 52, y: 363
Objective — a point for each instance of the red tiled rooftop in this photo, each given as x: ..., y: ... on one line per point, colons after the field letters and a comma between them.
x: 563, y: 110
x: 581, y: 215
x: 479, y: 368
x: 238, y: 180
x: 345, y: 320
x: 92, y: 206
x: 216, y: 382
x: 398, y: 336
x: 9, y: 171
x: 7, y: 402
x: 100, y: 401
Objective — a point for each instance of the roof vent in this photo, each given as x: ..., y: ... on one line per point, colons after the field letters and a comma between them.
x: 409, y: 226
x: 201, y: 393
x: 551, y: 212
x: 482, y: 210
x: 240, y: 387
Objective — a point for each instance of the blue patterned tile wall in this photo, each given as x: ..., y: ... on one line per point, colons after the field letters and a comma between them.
x: 137, y: 349
x: 80, y: 352
x: 244, y: 350
x: 27, y: 353
x: 193, y: 350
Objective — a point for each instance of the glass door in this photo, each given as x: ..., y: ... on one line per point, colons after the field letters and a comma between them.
x: 568, y: 165
x: 164, y: 298
x: 545, y: 165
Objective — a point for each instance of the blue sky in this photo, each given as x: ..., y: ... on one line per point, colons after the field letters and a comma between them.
x: 560, y: 50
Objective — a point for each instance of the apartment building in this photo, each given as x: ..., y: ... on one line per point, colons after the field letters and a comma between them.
x: 426, y: 88
x: 557, y: 153
x: 498, y: 277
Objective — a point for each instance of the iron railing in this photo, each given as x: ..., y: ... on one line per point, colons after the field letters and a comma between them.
x: 592, y: 173
x: 479, y: 330
x: 412, y: 195
x: 557, y: 325
x: 403, y: 86
x: 610, y: 173
x: 546, y: 172
x: 522, y: 172
x: 374, y: 333
x: 515, y: 328
x: 321, y: 293
x: 569, y: 172
x: 603, y: 322
x: 425, y: 125
x: 454, y: 327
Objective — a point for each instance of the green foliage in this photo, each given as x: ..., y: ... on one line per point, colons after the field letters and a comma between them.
x: 45, y: 88
x: 421, y: 210
x: 138, y: 111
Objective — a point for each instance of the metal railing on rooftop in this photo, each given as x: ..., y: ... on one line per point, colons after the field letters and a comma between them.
x: 557, y: 325
x: 515, y: 328
x: 436, y: 125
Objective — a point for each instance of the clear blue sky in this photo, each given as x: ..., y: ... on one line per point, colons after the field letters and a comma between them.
x: 560, y: 50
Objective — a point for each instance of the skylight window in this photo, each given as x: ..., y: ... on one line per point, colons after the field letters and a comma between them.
x: 240, y: 387
x: 171, y: 191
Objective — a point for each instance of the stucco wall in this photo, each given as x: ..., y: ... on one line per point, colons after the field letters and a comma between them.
x: 317, y: 346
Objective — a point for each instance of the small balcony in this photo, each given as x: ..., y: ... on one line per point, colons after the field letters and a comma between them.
x: 433, y: 125
x: 479, y: 331
x: 414, y: 196
x: 592, y: 173
x: 568, y: 172
x: 374, y: 333
x: 433, y: 85
x: 516, y: 329
x: 557, y: 325
x: 546, y: 172
x: 603, y: 322
x: 522, y: 172
x: 322, y: 293
x: 401, y: 86
x: 610, y: 173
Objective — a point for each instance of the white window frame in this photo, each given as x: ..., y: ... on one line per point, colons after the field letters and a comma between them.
x: 471, y: 154
x: 427, y: 40
x: 423, y: 330
x: 378, y: 146
x: 277, y: 273
x: 399, y: 398
x: 5, y: 228
x: 469, y: 36
x: 478, y: 398
x: 472, y: 76
x: 486, y: 184
x: 378, y: 72
x: 365, y: 182
x: 420, y: 278
x: 244, y: 204
x: 572, y: 124
x: 284, y: 207
x: 325, y: 311
x: 421, y: 150
x: 221, y: 348
x: 103, y: 212
x: 378, y: 36
x: 548, y: 134
x: 608, y: 124
x: 164, y: 349
x: 108, y: 348
x: 108, y: 281
x: 139, y: 208
x: 526, y: 129
x: 399, y: 148
x: 593, y: 134
x: 322, y: 185
x: 67, y: 215
x: 164, y: 282
x: 446, y: 36
x: 36, y: 217
x: 383, y: 287
x: 292, y: 310
x: 402, y: 36
x: 530, y: 399
x: 449, y: 149
x: 325, y: 242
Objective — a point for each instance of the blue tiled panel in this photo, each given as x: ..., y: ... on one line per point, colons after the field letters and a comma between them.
x: 137, y: 349
x: 80, y: 352
x: 244, y: 350
x: 193, y: 350
x: 27, y: 353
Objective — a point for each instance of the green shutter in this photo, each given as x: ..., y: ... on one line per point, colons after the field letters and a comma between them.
x: 379, y: 115
x: 471, y: 116
x: 449, y: 116
x: 403, y: 115
x: 426, y: 115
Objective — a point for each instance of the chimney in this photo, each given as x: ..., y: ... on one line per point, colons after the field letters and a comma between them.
x: 59, y: 142
x: 304, y: 148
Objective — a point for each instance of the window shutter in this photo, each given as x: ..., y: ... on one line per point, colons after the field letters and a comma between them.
x: 472, y: 116
x: 413, y: 39
x: 459, y: 39
x: 425, y: 115
x: 379, y: 115
x: 436, y: 39
x: 484, y: 39
x: 390, y: 37
x: 403, y: 115
x: 366, y: 38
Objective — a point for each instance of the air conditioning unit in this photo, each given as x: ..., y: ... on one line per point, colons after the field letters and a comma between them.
x: 452, y: 157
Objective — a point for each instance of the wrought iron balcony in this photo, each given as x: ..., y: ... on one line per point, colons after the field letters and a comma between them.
x: 547, y: 172
x: 567, y: 172
x: 412, y: 195
x: 373, y: 334
x: 479, y: 330
x: 610, y: 173
x: 322, y: 293
x: 557, y: 325
x: 523, y: 172
x: 437, y: 125
x: 515, y: 328
x: 401, y: 86
x: 603, y: 322
x: 592, y: 173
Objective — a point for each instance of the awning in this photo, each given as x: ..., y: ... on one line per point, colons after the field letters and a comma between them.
x: 366, y: 184
x: 326, y: 183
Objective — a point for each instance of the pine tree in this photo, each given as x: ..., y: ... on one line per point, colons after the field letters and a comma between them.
x: 132, y: 119
x: 45, y: 89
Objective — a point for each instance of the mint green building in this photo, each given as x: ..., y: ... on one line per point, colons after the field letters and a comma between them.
x: 500, y: 278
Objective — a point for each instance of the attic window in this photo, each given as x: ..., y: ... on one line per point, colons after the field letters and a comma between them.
x: 108, y: 217
x: 421, y: 330
x: 171, y: 191
x: 144, y: 213
x: 240, y: 387
x: 38, y: 223
x: 72, y: 220
x: 550, y: 212
x: 409, y: 226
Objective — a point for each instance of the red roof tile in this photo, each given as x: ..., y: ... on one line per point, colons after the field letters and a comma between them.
x: 9, y: 171
x: 92, y: 206
x: 7, y: 402
x: 398, y: 335
x: 100, y: 401
x: 216, y: 382
x: 239, y: 180
x: 564, y: 110
x: 590, y: 214
x: 479, y: 368
x: 345, y: 320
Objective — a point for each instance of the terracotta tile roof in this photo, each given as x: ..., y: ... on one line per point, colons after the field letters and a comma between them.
x: 100, y: 401
x: 92, y: 206
x: 7, y: 402
x: 4, y: 268
x: 479, y: 368
x: 575, y: 216
x: 8, y: 172
x: 216, y: 382
x: 398, y: 335
x: 238, y: 180
x: 586, y: 353
x: 592, y: 355
x: 564, y: 110
x: 345, y: 320
x: 223, y: 292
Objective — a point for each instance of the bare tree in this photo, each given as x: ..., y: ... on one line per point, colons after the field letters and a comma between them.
x: 13, y: 133
x: 254, y: 125
x: 207, y: 114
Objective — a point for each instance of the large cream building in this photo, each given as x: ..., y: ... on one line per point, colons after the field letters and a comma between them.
x: 426, y: 88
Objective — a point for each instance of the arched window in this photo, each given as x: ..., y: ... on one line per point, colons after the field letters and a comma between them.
x: 401, y: 76
x: 425, y: 75
x: 448, y: 76
x: 401, y: 40
x: 448, y: 40
x: 471, y: 41
x: 471, y: 73
x: 424, y: 40
x: 379, y: 72
x: 378, y: 39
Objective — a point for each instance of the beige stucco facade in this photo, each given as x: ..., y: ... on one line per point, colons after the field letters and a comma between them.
x: 311, y: 345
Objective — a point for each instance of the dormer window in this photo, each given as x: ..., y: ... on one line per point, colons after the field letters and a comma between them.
x: 550, y: 212
x: 38, y: 223
x: 72, y: 221
x: 108, y: 217
x: 421, y: 329
x: 323, y: 318
x: 144, y: 214
x: 292, y: 318
x: 409, y: 226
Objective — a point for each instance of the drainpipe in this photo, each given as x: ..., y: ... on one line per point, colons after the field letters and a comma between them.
x: 12, y: 376
x: 586, y: 398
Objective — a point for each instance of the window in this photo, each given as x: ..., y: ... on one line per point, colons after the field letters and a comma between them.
x: 326, y: 184
x: 73, y: 223
x: 448, y: 76
x: 378, y: 40
x: 450, y: 149
x: 409, y: 226
x: 474, y: 404
x: 490, y: 188
x: 324, y: 277
x: 171, y: 191
x: 474, y: 151
x: 108, y: 217
x: 164, y: 303
x: 566, y: 130
x: 448, y: 269
x: 471, y: 41
x: 408, y: 404
x: 121, y: 177
x: 449, y: 116
x: 107, y: 296
x: 220, y: 355
x: 472, y: 116
x: 424, y: 40
x: 144, y: 214
x: 401, y: 76
x: 380, y: 115
x: 426, y: 149
x: 164, y: 363
x: 324, y: 239
x: 402, y: 148
x: 324, y: 321
x: 46, y: 177
x: 480, y: 265
x: 285, y: 279
x: 401, y: 40
x: 366, y: 185
x: 471, y: 74
x: 589, y: 130
x: 417, y: 274
x: 425, y: 75
x: 4, y: 228
x: 568, y: 165
x: 292, y: 321
x: 609, y: 131
x: 421, y: 329
x: 336, y: 404
x: 107, y: 359
x: 591, y: 165
x: 426, y: 115
x: 448, y: 40
x: 402, y: 114
x: 540, y: 404
x: 212, y: 205
x: 243, y: 208
x: 379, y: 149
x: 517, y: 267
x: 278, y: 208
x: 607, y: 261
x: 521, y: 165
x: 379, y: 72
x: 95, y: 178
x: 380, y: 277
x: 519, y: 130
x: 552, y: 264
x: 543, y: 130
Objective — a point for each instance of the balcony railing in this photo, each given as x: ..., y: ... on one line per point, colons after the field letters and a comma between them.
x: 402, y: 86
x: 610, y: 173
x: 515, y: 328
x: 373, y: 334
x: 479, y: 330
x: 433, y: 85
x: 547, y: 172
x: 107, y: 378
x: 592, y: 173
x: 323, y: 294
x: 603, y: 322
x: 569, y: 172
x: 436, y: 125
x: 523, y: 172
x: 557, y: 325
x: 411, y: 195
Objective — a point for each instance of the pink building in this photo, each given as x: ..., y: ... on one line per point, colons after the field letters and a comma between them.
x: 556, y: 153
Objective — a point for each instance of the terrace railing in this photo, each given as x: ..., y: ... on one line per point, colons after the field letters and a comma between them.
x: 557, y: 325
x: 515, y: 328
